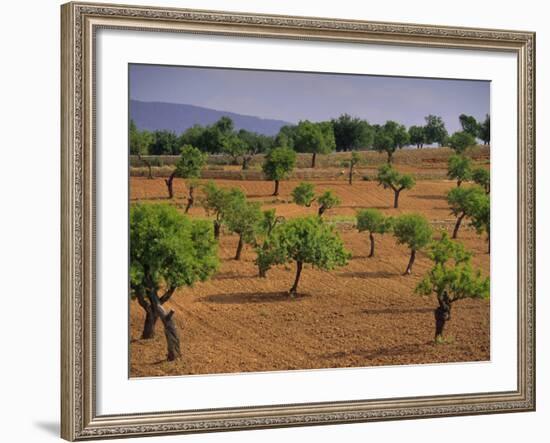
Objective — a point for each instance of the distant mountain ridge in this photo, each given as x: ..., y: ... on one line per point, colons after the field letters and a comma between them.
x: 179, y: 117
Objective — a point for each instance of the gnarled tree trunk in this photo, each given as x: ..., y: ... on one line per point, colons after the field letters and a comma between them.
x: 371, y: 237
x: 321, y: 210
x: 396, y: 193
x: 313, y: 158
x: 150, y: 323
x: 408, y: 271
x: 170, y: 328
x: 276, y: 192
x: 442, y: 314
x: 190, y: 199
x: 350, y: 178
x: 457, y: 224
x: 217, y: 229
x: 170, y: 184
x: 239, y: 248
x: 294, y: 290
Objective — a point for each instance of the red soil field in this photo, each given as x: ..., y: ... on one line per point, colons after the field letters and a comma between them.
x: 363, y: 314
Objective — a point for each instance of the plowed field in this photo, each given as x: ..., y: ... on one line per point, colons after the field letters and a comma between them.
x: 363, y: 314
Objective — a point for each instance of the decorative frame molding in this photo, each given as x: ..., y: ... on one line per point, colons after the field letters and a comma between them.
x: 80, y: 21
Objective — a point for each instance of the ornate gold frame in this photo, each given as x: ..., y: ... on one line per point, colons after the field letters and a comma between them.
x: 80, y: 21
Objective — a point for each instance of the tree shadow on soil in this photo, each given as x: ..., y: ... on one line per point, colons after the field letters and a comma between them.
x: 397, y: 311
x: 389, y: 351
x: 369, y: 274
x: 232, y: 275
x: 254, y: 297
x: 430, y: 197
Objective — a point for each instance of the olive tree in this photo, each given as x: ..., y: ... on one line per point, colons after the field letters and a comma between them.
x: 278, y: 165
x: 189, y: 166
x: 435, y: 130
x: 485, y: 130
x: 373, y: 221
x: 234, y: 146
x: 314, y: 138
x: 388, y: 177
x: 217, y: 202
x: 462, y: 202
x: 389, y: 137
x: 266, y: 254
x: 451, y: 278
x: 351, y: 163
x: 140, y: 143
x: 307, y: 240
x: 459, y: 168
x: 327, y: 200
x: 482, y: 177
x: 412, y: 230
x: 480, y: 216
x: 243, y: 218
x: 469, y: 124
x: 304, y: 194
x: 461, y: 140
x: 167, y: 251
x: 351, y: 133
x: 417, y: 136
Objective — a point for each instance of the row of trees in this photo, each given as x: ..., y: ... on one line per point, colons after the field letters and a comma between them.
x: 345, y: 133
x: 169, y: 251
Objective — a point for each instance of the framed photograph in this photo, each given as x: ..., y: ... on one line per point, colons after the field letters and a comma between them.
x: 277, y: 221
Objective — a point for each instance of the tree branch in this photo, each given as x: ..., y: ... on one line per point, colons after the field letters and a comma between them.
x: 166, y: 296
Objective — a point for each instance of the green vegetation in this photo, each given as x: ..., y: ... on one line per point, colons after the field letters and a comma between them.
x: 306, y: 240
x: 316, y: 138
x: 243, y: 218
x: 327, y: 200
x: 435, y: 130
x: 451, y: 278
x: 267, y: 255
x: 461, y: 140
x: 278, y: 165
x: 480, y: 216
x: 412, y: 230
x: 351, y: 133
x: 167, y: 251
x: 304, y: 194
x: 481, y: 177
x: 389, y: 137
x: 218, y: 202
x: 464, y: 203
x: 459, y: 168
x: 189, y: 166
x: 417, y: 136
x: 354, y: 160
x: 388, y: 177
x: 373, y: 221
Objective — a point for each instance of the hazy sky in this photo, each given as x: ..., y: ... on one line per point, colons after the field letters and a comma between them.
x: 294, y: 96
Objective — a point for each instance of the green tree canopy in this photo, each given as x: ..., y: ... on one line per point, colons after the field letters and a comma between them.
x: 451, y: 278
x: 218, y: 201
x: 189, y: 166
x: 388, y: 177
x: 417, y: 136
x: 304, y: 194
x: 278, y: 165
x: 462, y: 202
x: 485, y: 130
x: 243, y: 218
x: 389, y: 137
x: 351, y: 133
x: 469, y: 124
x: 480, y: 215
x: 435, y: 130
x: 315, y: 138
x: 327, y: 200
x: 167, y: 251
x: 140, y: 145
x: 482, y: 177
x: 459, y: 168
x: 307, y: 240
x: 374, y: 222
x: 234, y: 146
x: 461, y: 140
x: 412, y: 230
